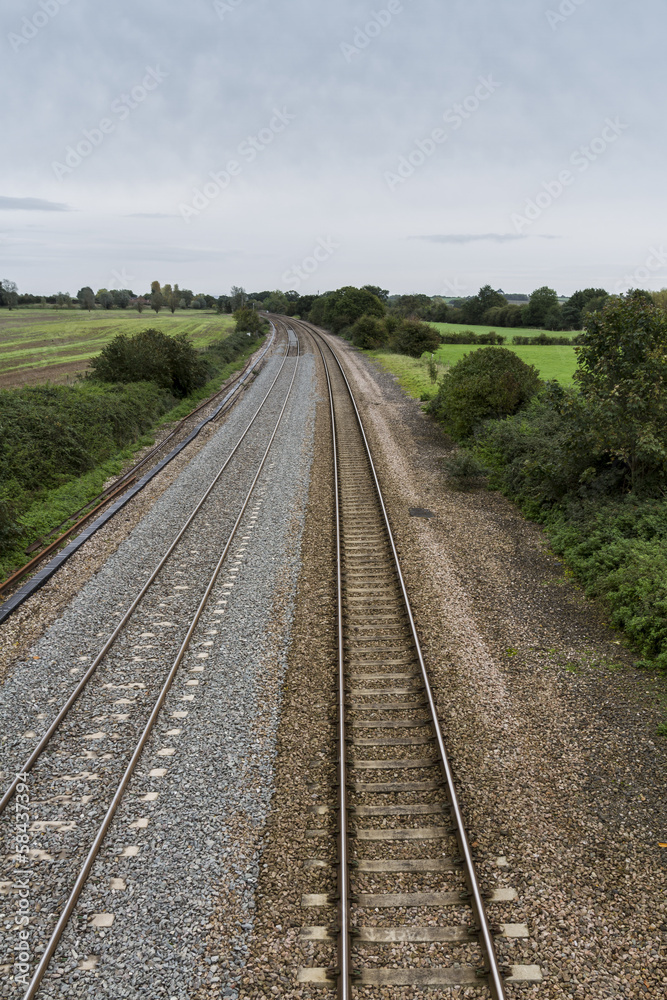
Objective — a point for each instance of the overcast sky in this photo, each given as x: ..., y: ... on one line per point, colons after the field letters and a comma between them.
x: 395, y: 143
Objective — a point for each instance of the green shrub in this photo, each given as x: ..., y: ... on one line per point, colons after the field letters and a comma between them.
x: 368, y: 333
x: 413, y: 338
x: 151, y: 356
x: 490, y: 382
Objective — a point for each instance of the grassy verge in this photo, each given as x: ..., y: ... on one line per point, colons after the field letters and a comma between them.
x: 41, y: 511
x: 412, y: 373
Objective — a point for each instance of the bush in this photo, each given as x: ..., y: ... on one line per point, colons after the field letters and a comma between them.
x: 151, y: 356
x: 49, y: 434
x: 490, y: 382
x: 368, y: 333
x: 470, y: 337
x: 414, y: 338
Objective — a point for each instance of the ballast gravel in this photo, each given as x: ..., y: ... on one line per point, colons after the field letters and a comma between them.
x: 186, y: 835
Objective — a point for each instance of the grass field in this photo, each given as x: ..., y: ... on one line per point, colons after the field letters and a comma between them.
x: 502, y: 331
x: 37, y: 345
x: 558, y: 363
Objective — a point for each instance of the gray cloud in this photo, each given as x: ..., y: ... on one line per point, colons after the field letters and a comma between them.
x: 365, y: 104
x: 32, y: 205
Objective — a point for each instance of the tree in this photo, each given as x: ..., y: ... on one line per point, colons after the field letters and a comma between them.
x: 86, y: 297
x: 489, y: 383
x: 63, y: 300
x: 276, y: 302
x: 238, y: 296
x: 10, y: 293
x: 573, y: 310
x: 543, y: 301
x: 151, y: 356
x: 411, y: 306
x: 247, y: 321
x: 157, y: 300
x: 345, y: 306
x: 381, y: 293
x: 622, y: 373
x: 199, y: 302
x: 473, y: 309
x: 105, y: 298
x: 121, y: 297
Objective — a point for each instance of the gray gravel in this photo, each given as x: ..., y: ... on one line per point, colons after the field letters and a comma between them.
x: 204, y: 816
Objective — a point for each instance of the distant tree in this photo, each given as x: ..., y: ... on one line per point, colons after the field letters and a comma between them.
x: 86, y: 297
x: 411, y: 306
x: 105, y: 299
x: 63, y: 300
x: 543, y: 301
x: 199, y: 302
x: 247, y: 321
x: 140, y: 304
x: 157, y: 300
x: 238, y: 296
x: 10, y: 293
x: 345, y: 306
x: 276, y: 302
x: 187, y: 297
x: 573, y: 310
x: 121, y: 297
x: 474, y: 308
x: 381, y: 293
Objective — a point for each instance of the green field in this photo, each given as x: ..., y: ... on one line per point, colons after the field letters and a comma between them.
x: 557, y: 363
x: 502, y: 331
x: 41, y: 344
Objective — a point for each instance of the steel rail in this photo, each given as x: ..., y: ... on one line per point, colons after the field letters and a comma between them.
x: 55, y: 725
x: 82, y: 878
x: 492, y: 970
x: 42, y: 576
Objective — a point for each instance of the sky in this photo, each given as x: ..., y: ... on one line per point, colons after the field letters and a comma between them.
x: 419, y: 145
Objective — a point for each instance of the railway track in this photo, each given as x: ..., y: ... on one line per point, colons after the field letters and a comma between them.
x: 76, y: 798
x: 119, y: 492
x: 407, y: 884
